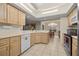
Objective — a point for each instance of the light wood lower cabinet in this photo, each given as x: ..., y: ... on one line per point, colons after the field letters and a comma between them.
x: 74, y: 47
x: 32, y: 39
x: 44, y: 37
x: 10, y: 46
x: 4, y: 47
x: 74, y: 50
x: 4, y: 50
x: 15, y: 46
x: 39, y: 38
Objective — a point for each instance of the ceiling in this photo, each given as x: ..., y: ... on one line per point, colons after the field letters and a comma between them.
x: 40, y: 11
x: 44, y: 6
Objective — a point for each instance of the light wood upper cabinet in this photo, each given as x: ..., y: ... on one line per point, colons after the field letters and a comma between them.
x: 12, y: 15
x: 3, y: 12
x: 71, y: 15
x: 15, y: 48
x: 69, y: 19
x: 21, y: 18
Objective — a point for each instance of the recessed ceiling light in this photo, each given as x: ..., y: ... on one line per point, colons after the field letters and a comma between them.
x: 50, y: 11
x: 26, y: 7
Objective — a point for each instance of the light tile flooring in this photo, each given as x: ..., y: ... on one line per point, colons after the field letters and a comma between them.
x: 53, y: 48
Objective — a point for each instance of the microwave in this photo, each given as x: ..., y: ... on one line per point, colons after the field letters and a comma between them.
x: 72, y: 32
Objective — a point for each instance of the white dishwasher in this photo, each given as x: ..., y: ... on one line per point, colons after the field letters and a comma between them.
x: 25, y: 42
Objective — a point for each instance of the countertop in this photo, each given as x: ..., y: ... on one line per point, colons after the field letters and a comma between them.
x: 74, y: 37
x: 37, y: 31
x: 10, y: 33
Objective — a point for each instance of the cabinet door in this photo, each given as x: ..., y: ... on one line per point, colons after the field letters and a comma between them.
x: 2, y: 12
x: 44, y: 37
x: 4, y: 50
x: 37, y: 38
x: 15, y: 44
x: 74, y: 46
x: 32, y: 39
x: 12, y: 15
x: 74, y: 50
x: 21, y: 18
x: 71, y: 15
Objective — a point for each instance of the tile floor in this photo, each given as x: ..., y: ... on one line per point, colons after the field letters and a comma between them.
x: 53, y: 48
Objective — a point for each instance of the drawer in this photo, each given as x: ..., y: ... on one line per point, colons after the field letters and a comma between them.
x: 15, y: 39
x: 74, y: 41
x: 4, y: 42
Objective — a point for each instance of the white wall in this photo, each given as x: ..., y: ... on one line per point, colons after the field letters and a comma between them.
x: 46, y: 27
x: 63, y: 28
x: 38, y: 26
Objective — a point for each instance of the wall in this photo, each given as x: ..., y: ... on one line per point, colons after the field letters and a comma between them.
x: 46, y: 27
x: 38, y: 25
x: 63, y: 28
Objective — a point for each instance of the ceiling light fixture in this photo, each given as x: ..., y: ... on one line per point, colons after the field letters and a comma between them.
x: 52, y: 24
x: 50, y: 11
x: 25, y: 7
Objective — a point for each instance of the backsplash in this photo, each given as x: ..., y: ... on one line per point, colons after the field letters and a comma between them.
x: 3, y: 27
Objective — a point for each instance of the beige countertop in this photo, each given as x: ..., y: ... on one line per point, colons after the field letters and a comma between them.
x: 10, y: 33
x: 74, y: 37
x: 39, y: 31
x: 5, y: 34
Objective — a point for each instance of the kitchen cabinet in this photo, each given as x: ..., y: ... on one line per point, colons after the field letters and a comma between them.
x: 12, y: 15
x: 21, y: 20
x: 3, y: 12
x: 32, y: 39
x: 4, y: 47
x: 10, y: 46
x: 74, y: 46
x: 4, y: 50
x: 44, y: 37
x: 74, y: 50
x: 15, y: 44
x: 39, y: 38
x: 72, y: 17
